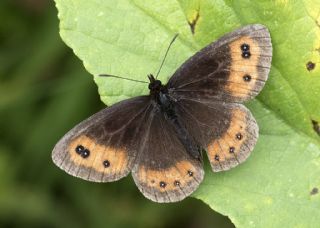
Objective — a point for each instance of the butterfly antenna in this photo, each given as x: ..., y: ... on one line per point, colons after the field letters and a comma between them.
x: 129, y: 79
x: 174, y: 38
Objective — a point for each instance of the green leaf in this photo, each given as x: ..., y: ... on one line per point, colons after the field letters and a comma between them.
x: 278, y: 184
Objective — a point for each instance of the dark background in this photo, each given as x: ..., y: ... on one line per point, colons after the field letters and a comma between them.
x: 45, y: 91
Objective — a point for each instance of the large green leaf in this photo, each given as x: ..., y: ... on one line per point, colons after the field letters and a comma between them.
x: 278, y: 184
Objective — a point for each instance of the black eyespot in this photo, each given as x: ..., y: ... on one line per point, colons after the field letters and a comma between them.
x: 231, y: 149
x: 162, y: 184
x: 245, y: 47
x: 247, y: 78
x: 246, y: 54
x: 177, y: 183
x: 152, y: 181
x: 190, y: 173
x: 79, y: 149
x: 239, y: 136
x: 106, y: 163
x: 85, y: 153
x: 216, y: 157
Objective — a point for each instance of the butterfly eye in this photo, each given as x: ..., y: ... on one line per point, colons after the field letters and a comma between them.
x: 155, y: 85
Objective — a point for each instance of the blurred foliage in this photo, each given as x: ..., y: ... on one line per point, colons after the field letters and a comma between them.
x: 44, y: 91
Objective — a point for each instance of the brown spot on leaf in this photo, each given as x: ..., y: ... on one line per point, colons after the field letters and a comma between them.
x: 316, y: 126
x: 317, y: 23
x: 314, y: 191
x: 193, y: 22
x: 310, y: 66
x: 316, y: 19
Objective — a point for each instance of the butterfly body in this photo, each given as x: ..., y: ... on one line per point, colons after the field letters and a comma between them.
x: 159, y: 137
x: 166, y: 105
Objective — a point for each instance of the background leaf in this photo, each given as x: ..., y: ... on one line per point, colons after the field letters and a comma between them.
x: 278, y: 185
x: 45, y: 91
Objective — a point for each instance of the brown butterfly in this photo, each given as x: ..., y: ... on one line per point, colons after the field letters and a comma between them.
x: 159, y: 138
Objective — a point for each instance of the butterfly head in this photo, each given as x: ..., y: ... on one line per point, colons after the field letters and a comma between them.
x: 155, y: 86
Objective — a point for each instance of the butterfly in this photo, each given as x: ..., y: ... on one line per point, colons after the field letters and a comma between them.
x: 161, y: 137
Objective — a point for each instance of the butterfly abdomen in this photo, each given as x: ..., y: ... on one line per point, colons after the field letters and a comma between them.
x: 168, y: 109
x: 185, y: 138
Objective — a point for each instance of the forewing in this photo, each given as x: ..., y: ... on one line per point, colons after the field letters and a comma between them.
x: 103, y: 147
x: 228, y: 132
x: 233, y: 68
x: 164, y: 171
